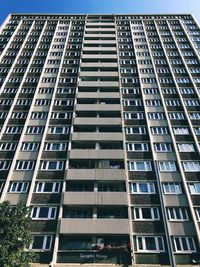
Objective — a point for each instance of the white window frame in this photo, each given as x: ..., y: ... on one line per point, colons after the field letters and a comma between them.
x: 172, y: 188
x: 6, y: 146
x: 15, y: 187
x: 130, y: 130
x: 176, y: 116
x: 132, y: 146
x: 138, y: 214
x: 157, y: 239
x: 175, y: 212
x: 194, y: 188
x: 191, y: 166
x: 159, y: 130
x: 46, y: 239
x: 40, y: 187
x: 53, y: 129
x: 30, y: 146
x: 197, y: 211
x: 37, y: 209
x: 44, y: 165
x: 180, y: 240
x: 4, y: 165
x: 133, y: 115
x: 180, y: 130
x: 133, y: 166
x: 169, y: 166
x: 136, y: 188
x: 20, y: 164
x: 183, y: 147
x: 51, y: 146
x: 163, y: 147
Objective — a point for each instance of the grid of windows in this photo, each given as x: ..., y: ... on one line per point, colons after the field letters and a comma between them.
x: 89, y: 105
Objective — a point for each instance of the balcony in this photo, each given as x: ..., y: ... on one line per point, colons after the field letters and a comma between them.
x: 98, y: 107
x: 95, y: 198
x: 96, y: 154
x: 96, y: 136
x: 99, y: 83
x: 94, y: 226
x: 97, y: 121
x: 96, y: 174
x: 98, y: 95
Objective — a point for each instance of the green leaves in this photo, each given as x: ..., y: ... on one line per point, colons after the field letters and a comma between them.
x: 15, y: 236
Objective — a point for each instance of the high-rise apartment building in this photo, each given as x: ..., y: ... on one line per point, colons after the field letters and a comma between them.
x: 100, y: 132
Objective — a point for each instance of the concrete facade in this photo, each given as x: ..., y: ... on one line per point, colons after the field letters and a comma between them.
x: 100, y: 131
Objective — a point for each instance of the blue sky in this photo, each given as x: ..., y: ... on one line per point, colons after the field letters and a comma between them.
x: 99, y: 6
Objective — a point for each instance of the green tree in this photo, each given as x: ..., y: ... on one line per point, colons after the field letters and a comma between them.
x: 15, y: 235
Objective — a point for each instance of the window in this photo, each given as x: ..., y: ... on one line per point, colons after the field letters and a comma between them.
x: 39, y: 115
x: 177, y: 214
x: 23, y: 102
x: 194, y: 188
x: 19, y: 187
x: 45, y: 90
x: 24, y: 165
x: 143, y: 188
x: 133, y: 116
x: 61, y: 115
x: 41, y: 242
x: 156, y: 116
x: 167, y: 166
x: 194, y: 116
x: 150, y: 103
x: 7, y: 146
x: 185, y: 147
x: 65, y: 90
x: 52, y: 165
x: 43, y: 213
x: 130, y: 91
x: 19, y: 115
x: 13, y: 130
x: 150, y: 244
x: 27, y: 90
x: 58, y: 130
x: 148, y: 80
x: 163, y: 147
x: 4, y: 165
x: 1, y: 186
x: 132, y: 103
x: 3, y: 115
x: 150, y: 91
x: 137, y: 147
x: 55, y: 146
x: 191, y: 102
x: 191, y: 166
x: 61, y: 102
x: 146, y: 213
x: 47, y: 187
x: 135, y: 130
x: 30, y: 146
x: 159, y: 130
x: 34, y: 130
x: 172, y: 188
x: 180, y: 131
x: 139, y: 166
x: 197, y: 210
x: 197, y: 130
x: 172, y: 102
x: 184, y: 244
x: 168, y: 91
x: 42, y: 102
x: 176, y: 116
x: 186, y: 91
